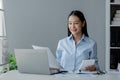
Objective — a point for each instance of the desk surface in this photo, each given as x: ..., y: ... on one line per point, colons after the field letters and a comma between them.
x: 15, y: 75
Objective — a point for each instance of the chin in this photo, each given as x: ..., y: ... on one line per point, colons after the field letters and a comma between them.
x: 74, y: 32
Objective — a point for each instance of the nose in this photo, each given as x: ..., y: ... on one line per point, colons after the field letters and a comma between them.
x: 72, y: 25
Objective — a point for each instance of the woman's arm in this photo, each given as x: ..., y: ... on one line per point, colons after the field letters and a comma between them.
x: 93, y: 55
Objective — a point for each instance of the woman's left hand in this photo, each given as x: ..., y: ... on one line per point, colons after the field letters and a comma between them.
x: 91, y: 68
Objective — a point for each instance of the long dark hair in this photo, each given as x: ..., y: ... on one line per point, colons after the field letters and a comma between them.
x: 80, y: 15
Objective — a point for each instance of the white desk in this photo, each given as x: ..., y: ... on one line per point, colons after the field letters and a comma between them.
x: 15, y: 75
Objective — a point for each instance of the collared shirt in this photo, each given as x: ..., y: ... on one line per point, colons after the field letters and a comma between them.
x: 70, y: 55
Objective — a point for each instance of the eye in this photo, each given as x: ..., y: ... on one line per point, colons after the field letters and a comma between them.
x: 77, y: 23
x: 70, y: 23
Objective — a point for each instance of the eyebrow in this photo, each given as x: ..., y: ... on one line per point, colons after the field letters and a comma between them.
x: 74, y: 21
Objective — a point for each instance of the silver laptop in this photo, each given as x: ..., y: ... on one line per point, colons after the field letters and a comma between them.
x: 32, y: 61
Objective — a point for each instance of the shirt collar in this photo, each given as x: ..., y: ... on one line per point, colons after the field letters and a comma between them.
x: 71, y: 37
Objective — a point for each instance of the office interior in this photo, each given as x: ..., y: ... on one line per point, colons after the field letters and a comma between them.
x: 44, y: 23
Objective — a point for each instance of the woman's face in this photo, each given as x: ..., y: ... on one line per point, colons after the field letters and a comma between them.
x: 75, y: 25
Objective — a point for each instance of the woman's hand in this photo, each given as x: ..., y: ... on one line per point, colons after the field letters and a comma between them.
x: 91, y: 68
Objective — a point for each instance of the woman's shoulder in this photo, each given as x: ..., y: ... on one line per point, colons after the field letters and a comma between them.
x: 63, y: 39
x: 90, y: 40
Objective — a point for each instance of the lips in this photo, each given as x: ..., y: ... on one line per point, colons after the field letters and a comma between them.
x: 74, y: 30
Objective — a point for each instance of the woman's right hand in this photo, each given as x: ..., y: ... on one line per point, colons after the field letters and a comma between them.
x: 91, y: 68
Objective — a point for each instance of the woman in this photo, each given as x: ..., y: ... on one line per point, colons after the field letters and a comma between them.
x: 77, y: 46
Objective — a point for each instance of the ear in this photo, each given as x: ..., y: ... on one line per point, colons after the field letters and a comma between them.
x: 83, y: 24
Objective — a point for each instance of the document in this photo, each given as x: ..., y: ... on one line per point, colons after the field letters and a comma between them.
x: 86, y: 63
x: 52, y: 60
x: 73, y: 75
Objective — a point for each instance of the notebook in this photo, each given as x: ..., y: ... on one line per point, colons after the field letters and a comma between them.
x: 32, y: 61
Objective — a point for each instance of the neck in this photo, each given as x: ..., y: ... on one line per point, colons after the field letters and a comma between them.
x: 77, y: 37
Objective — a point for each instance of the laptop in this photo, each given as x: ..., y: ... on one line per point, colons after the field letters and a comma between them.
x: 51, y: 58
x: 32, y: 61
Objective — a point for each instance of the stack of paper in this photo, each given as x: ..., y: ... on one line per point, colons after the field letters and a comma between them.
x: 117, y: 1
x: 116, y: 19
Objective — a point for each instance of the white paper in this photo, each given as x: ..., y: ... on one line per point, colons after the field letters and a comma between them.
x: 86, y: 63
x: 73, y: 75
x: 52, y: 60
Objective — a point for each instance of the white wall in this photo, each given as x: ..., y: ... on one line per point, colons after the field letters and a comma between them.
x: 44, y: 22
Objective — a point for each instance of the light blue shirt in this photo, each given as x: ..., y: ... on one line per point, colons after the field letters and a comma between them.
x: 70, y: 55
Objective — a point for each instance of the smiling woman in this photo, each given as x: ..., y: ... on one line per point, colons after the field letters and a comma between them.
x: 43, y: 22
x: 77, y: 46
